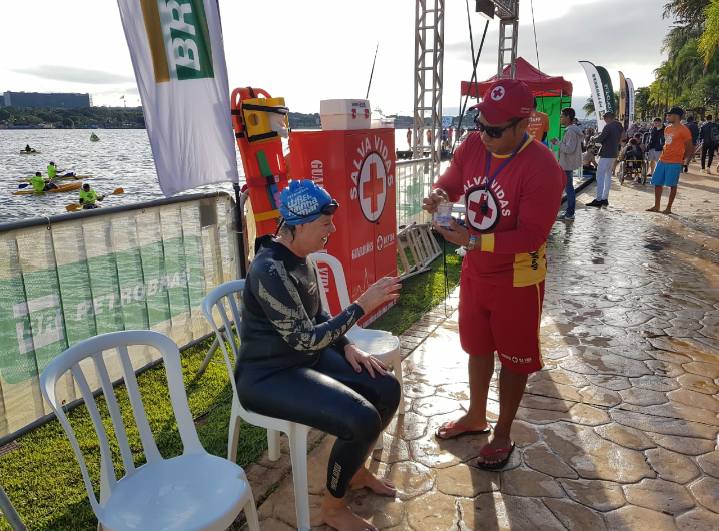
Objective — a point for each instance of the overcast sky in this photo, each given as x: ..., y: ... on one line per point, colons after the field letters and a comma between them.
x: 317, y: 49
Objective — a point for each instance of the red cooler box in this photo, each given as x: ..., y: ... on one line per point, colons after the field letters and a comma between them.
x: 358, y: 169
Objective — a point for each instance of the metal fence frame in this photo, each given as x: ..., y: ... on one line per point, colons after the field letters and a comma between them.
x: 50, y: 221
x: 414, y: 182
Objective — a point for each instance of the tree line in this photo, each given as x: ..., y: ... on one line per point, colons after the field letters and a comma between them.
x: 690, y: 75
x: 90, y: 117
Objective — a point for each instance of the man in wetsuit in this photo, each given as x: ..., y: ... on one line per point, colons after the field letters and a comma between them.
x: 512, y: 186
x: 295, y: 362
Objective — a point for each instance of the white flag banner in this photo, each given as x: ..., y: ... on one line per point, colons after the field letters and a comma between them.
x: 179, y: 61
x: 630, y: 95
x: 595, y: 85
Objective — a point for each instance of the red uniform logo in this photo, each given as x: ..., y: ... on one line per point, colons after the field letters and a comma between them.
x: 482, y: 209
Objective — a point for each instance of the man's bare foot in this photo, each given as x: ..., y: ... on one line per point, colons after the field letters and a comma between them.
x: 337, y: 515
x: 653, y: 209
x: 667, y: 211
x: 365, y: 479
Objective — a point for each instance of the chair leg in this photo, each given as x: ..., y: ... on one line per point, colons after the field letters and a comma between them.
x: 233, y: 437
x: 379, y: 443
x: 273, y: 445
x: 396, y: 366
x: 253, y: 522
x: 397, y: 369
x: 298, y: 455
x: 208, y: 357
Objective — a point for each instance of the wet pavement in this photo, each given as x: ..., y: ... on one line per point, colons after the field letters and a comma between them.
x: 618, y: 431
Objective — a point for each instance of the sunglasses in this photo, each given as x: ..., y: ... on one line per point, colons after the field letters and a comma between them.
x: 492, y: 131
x: 328, y: 209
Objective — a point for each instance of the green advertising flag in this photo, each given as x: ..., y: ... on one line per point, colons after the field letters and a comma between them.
x: 608, y: 90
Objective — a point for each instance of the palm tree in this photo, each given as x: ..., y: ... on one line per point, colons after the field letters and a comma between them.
x: 709, y: 41
x: 686, y: 12
x: 588, y: 107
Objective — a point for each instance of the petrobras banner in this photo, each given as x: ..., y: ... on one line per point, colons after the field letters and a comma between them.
x: 147, y: 268
x: 622, y: 108
x: 596, y: 86
x: 179, y: 62
x: 630, y: 100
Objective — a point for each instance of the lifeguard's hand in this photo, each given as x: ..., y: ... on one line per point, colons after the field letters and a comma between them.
x: 456, y: 233
x: 359, y: 358
x: 435, y: 198
x: 386, y: 289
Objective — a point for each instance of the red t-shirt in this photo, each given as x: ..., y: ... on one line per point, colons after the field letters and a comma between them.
x: 521, y: 208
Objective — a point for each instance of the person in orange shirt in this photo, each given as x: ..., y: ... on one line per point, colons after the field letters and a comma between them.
x: 678, y: 150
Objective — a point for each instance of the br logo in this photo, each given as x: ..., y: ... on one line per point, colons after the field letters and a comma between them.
x: 482, y: 209
x: 179, y: 39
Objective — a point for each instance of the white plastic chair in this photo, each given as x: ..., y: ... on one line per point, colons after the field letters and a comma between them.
x: 195, y: 490
x: 229, y: 295
x: 382, y: 345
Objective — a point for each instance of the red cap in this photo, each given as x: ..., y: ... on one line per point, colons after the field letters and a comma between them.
x: 506, y: 99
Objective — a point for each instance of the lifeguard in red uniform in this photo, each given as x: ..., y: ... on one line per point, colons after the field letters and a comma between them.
x: 512, y: 187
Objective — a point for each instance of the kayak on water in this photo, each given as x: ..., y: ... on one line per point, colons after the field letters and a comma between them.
x: 61, y: 178
x: 31, y: 152
x: 67, y: 187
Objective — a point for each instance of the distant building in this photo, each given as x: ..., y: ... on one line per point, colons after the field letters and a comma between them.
x: 39, y: 99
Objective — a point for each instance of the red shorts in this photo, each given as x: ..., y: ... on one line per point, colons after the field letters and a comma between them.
x: 502, y: 319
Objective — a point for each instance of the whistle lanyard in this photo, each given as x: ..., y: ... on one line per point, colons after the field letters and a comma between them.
x: 488, y: 163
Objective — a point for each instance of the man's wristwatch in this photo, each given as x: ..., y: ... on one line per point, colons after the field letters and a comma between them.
x: 472, y: 243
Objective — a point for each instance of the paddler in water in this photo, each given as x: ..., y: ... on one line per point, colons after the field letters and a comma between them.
x: 39, y: 184
x: 28, y: 149
x: 88, y: 197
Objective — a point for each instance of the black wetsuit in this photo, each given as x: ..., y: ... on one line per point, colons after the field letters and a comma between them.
x: 291, y: 363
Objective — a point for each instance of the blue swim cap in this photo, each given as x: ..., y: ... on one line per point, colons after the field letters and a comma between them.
x: 303, y: 202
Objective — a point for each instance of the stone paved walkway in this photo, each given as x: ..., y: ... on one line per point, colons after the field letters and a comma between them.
x: 619, y: 431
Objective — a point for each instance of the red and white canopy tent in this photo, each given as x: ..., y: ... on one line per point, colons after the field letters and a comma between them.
x: 541, y: 84
x: 552, y: 93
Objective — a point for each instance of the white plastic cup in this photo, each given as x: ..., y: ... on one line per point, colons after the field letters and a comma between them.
x: 443, y: 215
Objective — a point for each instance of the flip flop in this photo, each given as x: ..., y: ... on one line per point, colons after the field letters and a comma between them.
x: 488, y: 452
x: 462, y: 430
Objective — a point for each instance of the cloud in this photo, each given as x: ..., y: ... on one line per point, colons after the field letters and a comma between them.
x: 614, y: 33
x: 74, y: 75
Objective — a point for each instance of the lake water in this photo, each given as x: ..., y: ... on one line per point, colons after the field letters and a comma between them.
x: 122, y: 157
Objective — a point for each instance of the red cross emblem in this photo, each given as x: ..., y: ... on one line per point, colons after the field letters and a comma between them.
x: 481, y: 208
x: 497, y: 93
x: 373, y: 187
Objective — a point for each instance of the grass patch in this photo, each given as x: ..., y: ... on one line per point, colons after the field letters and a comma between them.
x: 42, y: 477
x: 421, y: 293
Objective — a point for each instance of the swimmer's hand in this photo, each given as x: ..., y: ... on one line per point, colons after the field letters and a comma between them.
x: 386, y: 289
x: 359, y: 358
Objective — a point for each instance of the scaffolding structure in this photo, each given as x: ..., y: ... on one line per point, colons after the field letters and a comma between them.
x: 428, y: 81
x: 508, y: 13
x: 429, y: 67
